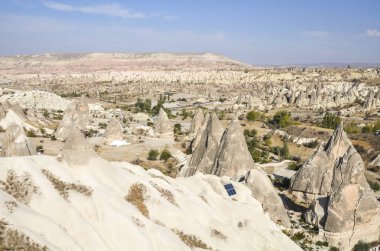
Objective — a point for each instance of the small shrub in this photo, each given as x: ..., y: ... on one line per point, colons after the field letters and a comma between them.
x: 31, y: 134
x: 254, y: 115
x: 53, y: 138
x: 351, y: 128
x: 374, y: 185
x: 165, y: 155
x: 39, y: 149
x: 334, y: 249
x: 361, y: 246
x: 322, y: 243
x: 311, y: 144
x: 293, y: 166
x: 153, y: 154
x: 298, y: 236
x: 282, y: 119
x: 177, y: 128
x: 102, y: 125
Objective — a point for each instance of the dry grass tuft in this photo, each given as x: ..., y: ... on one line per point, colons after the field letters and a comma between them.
x: 191, y: 241
x: 20, y: 187
x: 203, y: 198
x: 158, y: 177
x: 11, y: 205
x: 14, y: 240
x: 65, y: 187
x: 168, y: 195
x: 136, y: 197
x: 218, y: 234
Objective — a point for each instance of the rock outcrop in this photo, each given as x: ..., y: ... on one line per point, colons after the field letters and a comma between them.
x: 200, y: 132
x: 16, y: 143
x: 233, y: 158
x: 76, y: 115
x: 264, y: 191
x: 342, y: 202
x: 114, y: 131
x: 163, y: 127
x: 204, y: 154
x: 77, y: 150
x: 315, y: 176
x: 197, y: 120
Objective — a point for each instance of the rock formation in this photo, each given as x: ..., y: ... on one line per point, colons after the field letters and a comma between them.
x: 200, y: 132
x: 114, y: 131
x: 233, y: 158
x: 205, y: 151
x: 264, y: 191
x: 163, y: 127
x: 196, y: 122
x: 315, y: 176
x: 77, y: 150
x: 16, y: 143
x: 76, y: 115
x: 342, y: 204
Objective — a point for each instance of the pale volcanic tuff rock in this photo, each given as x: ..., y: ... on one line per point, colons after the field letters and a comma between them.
x: 200, y: 131
x: 196, y: 121
x: 16, y: 143
x: 77, y: 150
x: 76, y: 115
x: 342, y: 203
x: 163, y: 126
x: 233, y: 158
x: 315, y: 176
x: 114, y: 131
x: 205, y: 151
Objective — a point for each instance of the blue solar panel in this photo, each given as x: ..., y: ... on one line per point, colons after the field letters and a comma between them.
x: 230, y: 189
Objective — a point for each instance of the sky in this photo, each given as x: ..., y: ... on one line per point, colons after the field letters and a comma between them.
x: 266, y: 32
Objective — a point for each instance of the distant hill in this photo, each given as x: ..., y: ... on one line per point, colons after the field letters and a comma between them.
x: 89, y: 62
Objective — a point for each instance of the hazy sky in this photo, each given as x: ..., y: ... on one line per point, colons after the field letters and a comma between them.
x: 257, y: 32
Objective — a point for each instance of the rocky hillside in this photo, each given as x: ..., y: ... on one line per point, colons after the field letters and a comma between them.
x: 48, y: 204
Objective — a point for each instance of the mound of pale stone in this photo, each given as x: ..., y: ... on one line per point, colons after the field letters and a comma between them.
x: 163, y: 126
x: 46, y: 204
x: 15, y: 142
x: 342, y: 202
x: 76, y: 115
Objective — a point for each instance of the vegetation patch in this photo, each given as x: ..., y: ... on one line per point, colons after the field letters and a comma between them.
x: 64, y: 188
x: 136, y: 197
x: 20, y: 187
x: 191, y: 241
x: 168, y: 195
x: 217, y: 234
x: 15, y: 240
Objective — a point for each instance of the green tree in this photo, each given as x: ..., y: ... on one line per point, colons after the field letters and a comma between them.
x: 165, y: 155
x: 153, y: 154
x: 254, y: 115
x: 177, y: 128
x: 331, y: 121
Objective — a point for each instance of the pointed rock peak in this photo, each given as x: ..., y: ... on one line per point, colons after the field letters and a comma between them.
x: 196, y: 121
x: 16, y: 143
x: 200, y: 131
x: 77, y: 150
x: 162, y: 113
x: 114, y: 129
x: 233, y: 158
x: 215, y: 125
x: 338, y: 143
x: 163, y: 124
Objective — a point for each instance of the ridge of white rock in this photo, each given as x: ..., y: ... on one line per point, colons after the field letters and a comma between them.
x: 114, y: 131
x: 104, y: 206
x: 196, y: 121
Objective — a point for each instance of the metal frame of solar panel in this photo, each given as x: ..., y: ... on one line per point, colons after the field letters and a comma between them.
x: 230, y: 189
